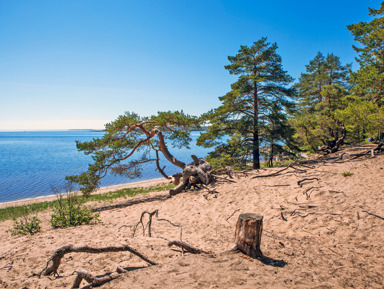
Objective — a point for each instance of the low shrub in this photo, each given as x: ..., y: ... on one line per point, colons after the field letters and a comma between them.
x: 69, y: 210
x: 25, y: 226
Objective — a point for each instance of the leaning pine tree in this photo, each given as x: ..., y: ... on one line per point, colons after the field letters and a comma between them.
x: 131, y: 141
x: 259, y: 99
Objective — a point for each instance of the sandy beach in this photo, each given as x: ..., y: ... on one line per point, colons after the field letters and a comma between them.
x: 325, y: 232
x: 102, y: 190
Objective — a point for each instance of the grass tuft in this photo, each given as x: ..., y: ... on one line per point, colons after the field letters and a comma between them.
x: 347, y: 174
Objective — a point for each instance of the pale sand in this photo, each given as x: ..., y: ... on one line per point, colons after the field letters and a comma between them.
x: 334, y: 244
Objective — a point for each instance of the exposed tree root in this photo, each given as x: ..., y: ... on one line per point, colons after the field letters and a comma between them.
x: 59, y: 254
x: 186, y: 247
x: 179, y: 243
x: 291, y: 165
x: 149, y: 223
x: 372, y: 214
x: 300, y: 183
x: 92, y: 280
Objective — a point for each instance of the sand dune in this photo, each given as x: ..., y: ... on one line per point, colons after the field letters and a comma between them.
x: 327, y: 240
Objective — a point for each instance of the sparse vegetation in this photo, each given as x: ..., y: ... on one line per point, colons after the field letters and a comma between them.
x: 347, y: 174
x: 25, y: 226
x: 70, y: 211
x: 19, y: 211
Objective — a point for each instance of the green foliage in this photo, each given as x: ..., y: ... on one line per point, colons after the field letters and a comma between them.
x: 25, y: 226
x: 363, y: 118
x: 254, y: 108
x: 129, y: 142
x: 69, y: 211
x: 321, y: 90
x: 369, y: 79
x: 347, y: 174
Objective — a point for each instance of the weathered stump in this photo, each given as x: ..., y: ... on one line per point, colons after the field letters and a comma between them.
x: 249, y: 228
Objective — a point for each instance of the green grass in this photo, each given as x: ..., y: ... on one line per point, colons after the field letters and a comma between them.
x: 19, y: 211
x: 347, y: 174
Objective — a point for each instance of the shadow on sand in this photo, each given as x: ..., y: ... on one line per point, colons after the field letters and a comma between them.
x: 272, y: 262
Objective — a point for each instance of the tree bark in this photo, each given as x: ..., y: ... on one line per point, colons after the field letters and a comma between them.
x: 92, y: 280
x: 256, y: 149
x: 200, y: 170
x: 248, y: 232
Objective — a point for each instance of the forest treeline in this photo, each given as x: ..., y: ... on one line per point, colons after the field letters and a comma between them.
x: 265, y: 113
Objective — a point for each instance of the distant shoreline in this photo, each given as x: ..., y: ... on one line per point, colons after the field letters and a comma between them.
x: 102, y: 190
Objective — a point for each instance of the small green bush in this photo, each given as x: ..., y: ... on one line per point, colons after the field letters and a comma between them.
x: 69, y: 210
x: 347, y: 174
x: 25, y: 225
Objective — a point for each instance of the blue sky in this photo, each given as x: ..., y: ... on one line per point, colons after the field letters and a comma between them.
x: 81, y: 63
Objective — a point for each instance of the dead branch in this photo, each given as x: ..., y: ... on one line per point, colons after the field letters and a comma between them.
x: 306, y: 192
x: 283, y: 217
x: 186, y: 247
x: 306, y: 179
x: 276, y: 185
x: 92, y: 280
x: 59, y: 254
x: 149, y: 223
x: 232, y: 214
x: 319, y: 213
x: 221, y: 178
x: 372, y: 214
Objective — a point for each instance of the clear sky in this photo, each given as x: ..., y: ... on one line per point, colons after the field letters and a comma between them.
x: 81, y: 63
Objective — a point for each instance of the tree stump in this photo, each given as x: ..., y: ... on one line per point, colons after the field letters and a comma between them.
x: 249, y: 228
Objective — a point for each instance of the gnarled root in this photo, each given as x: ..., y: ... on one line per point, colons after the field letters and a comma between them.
x: 186, y: 247
x: 59, y: 254
x: 92, y: 280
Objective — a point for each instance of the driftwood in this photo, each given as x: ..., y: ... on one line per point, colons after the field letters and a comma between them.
x: 149, y: 223
x: 92, y: 280
x: 59, y: 254
x: 199, y: 174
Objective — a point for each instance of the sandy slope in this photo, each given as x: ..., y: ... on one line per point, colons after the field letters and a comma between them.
x: 334, y: 244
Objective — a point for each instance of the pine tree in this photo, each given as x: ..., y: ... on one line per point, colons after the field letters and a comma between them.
x: 239, y: 125
x: 364, y: 114
x: 321, y: 91
x: 369, y: 79
x: 320, y: 71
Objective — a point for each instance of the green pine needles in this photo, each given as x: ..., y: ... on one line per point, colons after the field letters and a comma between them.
x: 253, y: 115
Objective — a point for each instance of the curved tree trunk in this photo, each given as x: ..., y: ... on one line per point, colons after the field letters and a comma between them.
x: 165, y: 151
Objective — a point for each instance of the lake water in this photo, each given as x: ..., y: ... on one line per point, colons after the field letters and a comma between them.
x: 32, y: 162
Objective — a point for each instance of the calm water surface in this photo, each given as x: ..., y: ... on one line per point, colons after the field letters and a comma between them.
x: 32, y: 162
